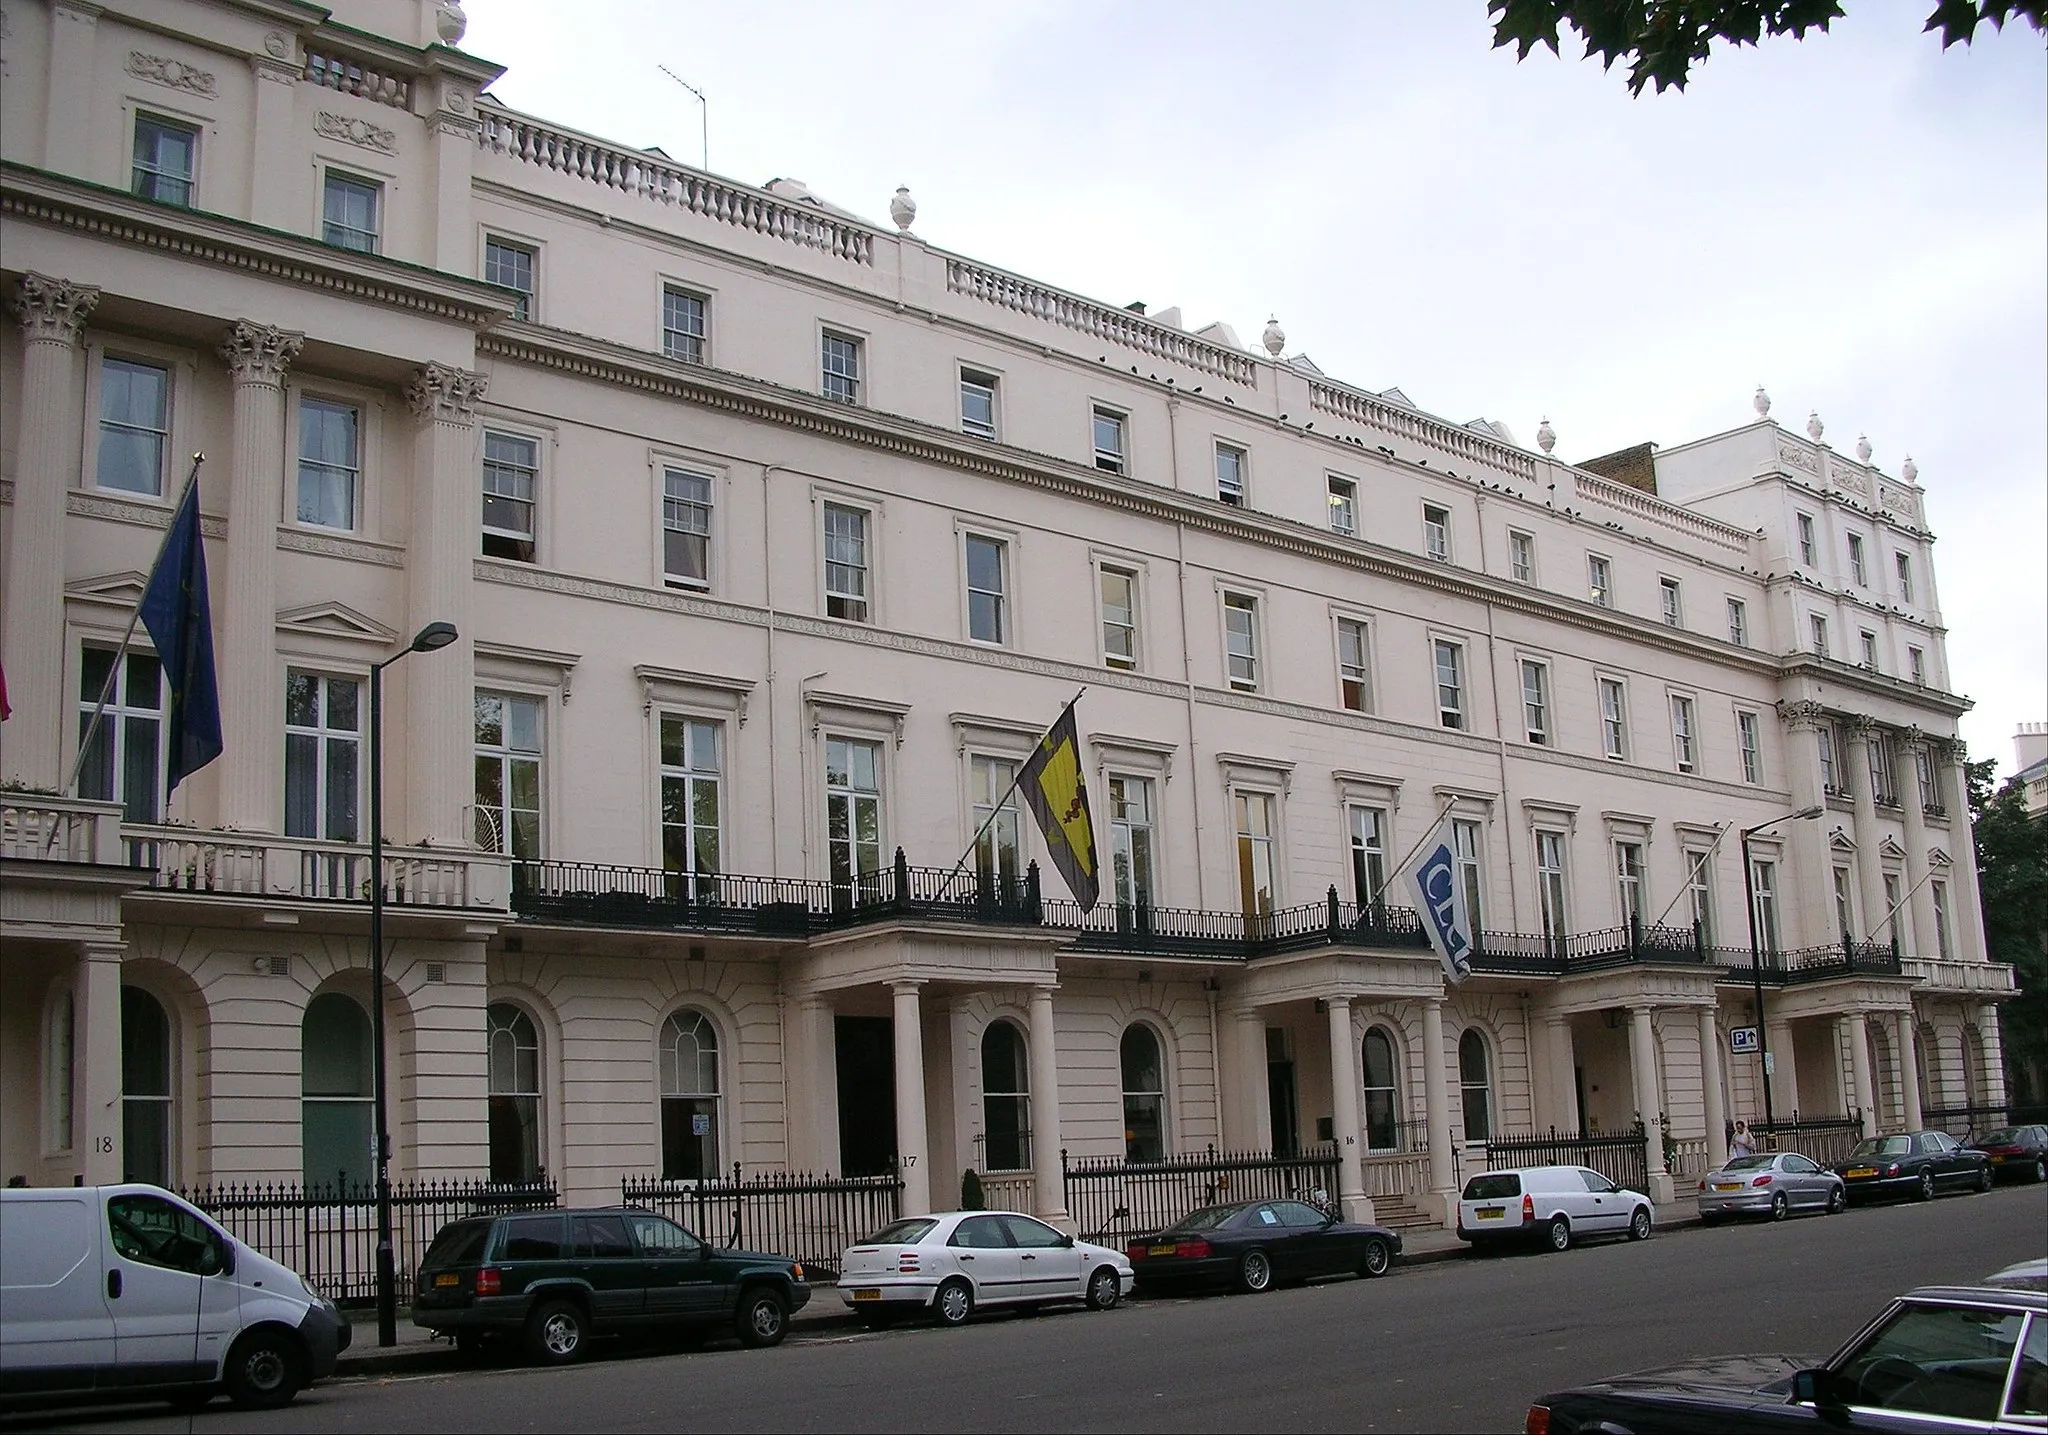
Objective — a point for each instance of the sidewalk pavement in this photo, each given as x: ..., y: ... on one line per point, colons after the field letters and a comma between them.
x: 418, y: 1352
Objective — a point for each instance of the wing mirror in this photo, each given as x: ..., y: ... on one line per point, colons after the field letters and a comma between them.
x: 1066, y: 1243
x: 1817, y: 1388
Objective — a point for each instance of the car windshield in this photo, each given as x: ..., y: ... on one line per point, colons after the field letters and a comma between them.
x: 1206, y: 1219
x: 2003, y: 1136
x: 902, y: 1233
x: 1882, y: 1146
x: 1494, y: 1186
x: 1749, y: 1163
x: 458, y: 1245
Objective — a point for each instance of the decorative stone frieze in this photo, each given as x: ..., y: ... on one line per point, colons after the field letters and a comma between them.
x: 53, y: 310
x: 175, y: 74
x: 1802, y: 715
x: 1799, y: 458
x: 276, y: 46
x: 446, y: 394
x: 260, y: 353
x: 358, y: 132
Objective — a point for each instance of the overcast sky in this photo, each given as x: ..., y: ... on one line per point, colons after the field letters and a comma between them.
x: 1857, y: 221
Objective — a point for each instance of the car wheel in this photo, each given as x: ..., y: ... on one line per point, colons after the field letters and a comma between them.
x: 263, y: 1370
x: 1639, y: 1224
x: 1926, y: 1191
x: 1558, y: 1234
x: 1983, y: 1179
x: 1255, y: 1272
x: 954, y: 1302
x: 1780, y: 1208
x: 1838, y: 1200
x: 763, y: 1317
x: 1378, y: 1258
x: 556, y: 1332
x: 1105, y: 1289
x: 2041, y: 1169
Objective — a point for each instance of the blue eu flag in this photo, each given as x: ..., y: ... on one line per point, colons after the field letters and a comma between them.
x: 180, y: 623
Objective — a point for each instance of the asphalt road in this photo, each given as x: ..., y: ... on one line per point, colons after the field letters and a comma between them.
x: 1464, y: 1344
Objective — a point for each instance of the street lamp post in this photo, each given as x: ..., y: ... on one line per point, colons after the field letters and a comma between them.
x: 1756, y: 960
x: 434, y: 635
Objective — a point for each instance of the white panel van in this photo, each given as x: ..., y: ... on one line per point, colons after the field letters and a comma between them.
x: 121, y: 1290
x: 1554, y: 1205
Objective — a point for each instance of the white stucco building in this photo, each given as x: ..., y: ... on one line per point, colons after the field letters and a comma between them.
x: 773, y: 538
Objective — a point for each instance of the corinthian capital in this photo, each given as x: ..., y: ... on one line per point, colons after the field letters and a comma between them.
x: 53, y: 309
x: 260, y: 353
x: 1861, y: 727
x: 445, y: 394
x: 1951, y: 749
x: 1802, y: 715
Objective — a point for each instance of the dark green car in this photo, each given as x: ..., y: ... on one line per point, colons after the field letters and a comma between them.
x: 555, y: 1279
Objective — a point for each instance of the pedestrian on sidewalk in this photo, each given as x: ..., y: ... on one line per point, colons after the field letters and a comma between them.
x: 1742, y: 1143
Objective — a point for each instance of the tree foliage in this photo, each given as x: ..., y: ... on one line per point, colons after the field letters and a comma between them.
x: 1663, y: 39
x: 2012, y: 877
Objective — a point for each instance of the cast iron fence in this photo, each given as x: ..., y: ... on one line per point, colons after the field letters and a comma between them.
x: 1967, y: 1122
x: 328, y: 1232
x: 1111, y: 1199
x: 1821, y: 1139
x: 802, y: 1217
x: 1623, y: 1159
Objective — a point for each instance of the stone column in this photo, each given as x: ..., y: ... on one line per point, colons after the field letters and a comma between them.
x: 1344, y: 1101
x: 1863, y: 734
x: 1642, y: 1059
x: 1443, y: 1172
x: 1257, y: 1118
x: 1915, y: 925
x: 912, y: 1140
x: 811, y: 1083
x: 1966, y: 907
x: 439, y: 687
x: 97, y: 1028
x: 48, y: 432
x: 1805, y: 893
x: 1045, y: 1110
x: 279, y: 199
x: 1542, y: 1089
x: 1713, y: 1109
x: 69, y: 88
x: 1785, y: 1082
x: 1852, y: 1029
x: 252, y: 690
x: 1564, y: 1080
x: 1909, y: 1069
x: 1994, y: 1054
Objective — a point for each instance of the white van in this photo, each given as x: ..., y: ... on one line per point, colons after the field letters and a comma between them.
x: 124, y: 1290
x: 1551, y: 1205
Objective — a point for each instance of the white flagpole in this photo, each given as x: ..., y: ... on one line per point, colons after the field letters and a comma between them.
x: 996, y: 808
x: 99, y: 708
x: 1712, y: 848
x: 1394, y: 872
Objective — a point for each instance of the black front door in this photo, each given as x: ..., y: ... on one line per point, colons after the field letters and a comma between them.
x: 866, y: 1047
x: 1286, y: 1118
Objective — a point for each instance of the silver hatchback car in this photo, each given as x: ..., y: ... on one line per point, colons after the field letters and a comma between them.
x: 1771, y: 1184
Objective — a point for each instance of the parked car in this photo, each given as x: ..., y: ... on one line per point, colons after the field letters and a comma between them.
x: 1254, y: 1245
x: 1917, y: 1164
x: 1772, y: 1184
x: 957, y: 1262
x: 1941, y: 1358
x: 557, y: 1279
x: 127, y: 1290
x: 1552, y: 1205
x: 2020, y: 1152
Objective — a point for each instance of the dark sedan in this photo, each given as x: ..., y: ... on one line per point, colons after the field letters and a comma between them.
x: 2020, y: 1152
x: 1255, y: 1245
x: 1917, y: 1165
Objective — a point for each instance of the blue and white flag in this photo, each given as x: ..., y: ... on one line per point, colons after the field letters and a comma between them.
x: 1440, y: 898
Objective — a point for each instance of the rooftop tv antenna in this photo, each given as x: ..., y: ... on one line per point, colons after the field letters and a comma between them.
x: 704, y: 107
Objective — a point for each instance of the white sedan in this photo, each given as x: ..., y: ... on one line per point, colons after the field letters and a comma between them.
x: 953, y: 1263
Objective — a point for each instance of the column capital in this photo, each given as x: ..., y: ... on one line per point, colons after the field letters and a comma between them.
x: 53, y: 310
x: 446, y: 394
x: 1802, y: 715
x: 260, y: 353
x: 1951, y: 749
x: 1911, y: 738
x: 906, y: 988
x: 1341, y: 1003
x: 1860, y: 727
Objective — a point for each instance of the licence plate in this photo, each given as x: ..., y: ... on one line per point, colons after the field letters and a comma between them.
x: 1727, y: 1185
x: 1860, y: 1171
x: 1998, y: 1160
x: 1490, y: 1213
x: 448, y: 1280
x: 867, y: 1293
x: 1161, y: 1250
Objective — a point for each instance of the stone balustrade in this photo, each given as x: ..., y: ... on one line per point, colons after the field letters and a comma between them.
x: 59, y: 829
x: 1398, y: 421
x: 349, y: 75
x: 260, y: 865
x: 1979, y: 979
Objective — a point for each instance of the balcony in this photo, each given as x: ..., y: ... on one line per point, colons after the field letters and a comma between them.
x: 1983, y: 980
x: 42, y: 828
x: 187, y: 860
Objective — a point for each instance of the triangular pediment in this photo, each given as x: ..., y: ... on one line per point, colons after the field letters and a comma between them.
x: 335, y: 620
x: 1890, y: 847
x: 1840, y: 841
x: 1936, y: 857
x: 119, y: 589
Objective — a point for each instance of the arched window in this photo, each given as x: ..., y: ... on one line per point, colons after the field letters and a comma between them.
x: 336, y: 1092
x: 689, y: 1097
x: 1005, y: 1099
x: 1382, y: 1093
x: 513, y: 1056
x: 1144, y: 1094
x: 1475, y: 1080
x: 145, y: 1088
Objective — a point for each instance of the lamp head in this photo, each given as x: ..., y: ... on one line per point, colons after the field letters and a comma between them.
x: 434, y: 635
x: 1807, y: 812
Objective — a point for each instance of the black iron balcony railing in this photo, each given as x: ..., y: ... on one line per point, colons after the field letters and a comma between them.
x: 642, y: 898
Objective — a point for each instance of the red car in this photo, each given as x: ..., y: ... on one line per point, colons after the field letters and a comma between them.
x: 2019, y: 1152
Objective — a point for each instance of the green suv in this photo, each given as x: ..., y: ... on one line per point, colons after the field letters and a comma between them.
x: 555, y: 1279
